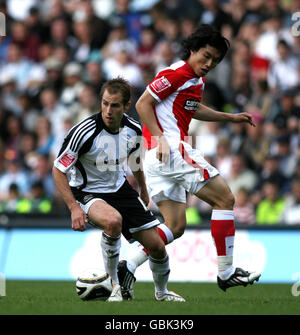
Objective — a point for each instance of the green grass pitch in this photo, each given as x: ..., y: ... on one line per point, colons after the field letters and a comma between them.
x: 60, y: 298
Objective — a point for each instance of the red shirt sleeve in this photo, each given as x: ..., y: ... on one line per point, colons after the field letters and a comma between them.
x: 164, y: 84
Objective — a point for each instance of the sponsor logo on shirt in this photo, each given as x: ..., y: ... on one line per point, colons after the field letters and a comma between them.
x: 67, y: 159
x: 191, y: 104
x: 160, y: 84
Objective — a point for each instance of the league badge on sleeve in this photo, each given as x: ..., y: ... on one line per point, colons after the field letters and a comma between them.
x: 160, y: 84
x: 67, y: 159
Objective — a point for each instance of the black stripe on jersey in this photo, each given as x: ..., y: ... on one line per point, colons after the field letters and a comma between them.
x: 133, y: 124
x: 93, y: 127
x: 80, y: 167
x: 80, y: 133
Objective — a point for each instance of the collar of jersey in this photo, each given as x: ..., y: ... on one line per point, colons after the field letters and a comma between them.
x: 106, y: 128
x: 190, y: 69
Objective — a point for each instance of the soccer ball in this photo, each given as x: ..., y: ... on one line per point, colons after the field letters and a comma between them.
x: 96, y: 287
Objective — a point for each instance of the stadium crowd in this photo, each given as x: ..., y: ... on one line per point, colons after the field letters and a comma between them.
x: 56, y: 54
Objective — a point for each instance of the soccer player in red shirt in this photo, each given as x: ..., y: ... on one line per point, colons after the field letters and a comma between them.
x: 173, y: 167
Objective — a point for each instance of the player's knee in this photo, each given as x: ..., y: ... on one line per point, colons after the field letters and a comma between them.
x: 157, y: 250
x: 114, y: 225
x: 178, y: 232
x: 229, y: 201
x: 225, y: 202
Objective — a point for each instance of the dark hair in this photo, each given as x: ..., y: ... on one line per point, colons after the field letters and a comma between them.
x: 205, y: 35
x: 117, y: 85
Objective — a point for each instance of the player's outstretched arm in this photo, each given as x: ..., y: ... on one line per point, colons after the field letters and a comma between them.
x: 205, y: 113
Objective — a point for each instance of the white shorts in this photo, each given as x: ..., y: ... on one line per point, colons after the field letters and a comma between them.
x: 187, y: 171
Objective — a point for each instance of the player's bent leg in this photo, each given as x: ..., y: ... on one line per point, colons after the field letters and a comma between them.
x: 110, y: 220
x: 174, y: 213
x: 158, y: 262
x: 106, y: 217
x: 126, y: 268
x: 218, y: 194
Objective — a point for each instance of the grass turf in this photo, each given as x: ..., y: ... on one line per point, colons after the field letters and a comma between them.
x: 60, y: 298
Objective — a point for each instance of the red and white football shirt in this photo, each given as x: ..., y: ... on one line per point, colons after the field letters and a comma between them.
x: 178, y: 91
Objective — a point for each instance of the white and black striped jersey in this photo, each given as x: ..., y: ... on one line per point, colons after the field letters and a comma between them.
x: 97, y: 158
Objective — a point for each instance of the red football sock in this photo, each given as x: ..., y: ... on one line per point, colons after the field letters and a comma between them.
x: 223, y: 231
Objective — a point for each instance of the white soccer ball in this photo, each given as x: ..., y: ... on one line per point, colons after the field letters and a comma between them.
x: 94, y: 287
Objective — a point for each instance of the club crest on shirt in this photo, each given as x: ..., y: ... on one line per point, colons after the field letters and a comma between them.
x: 160, y: 84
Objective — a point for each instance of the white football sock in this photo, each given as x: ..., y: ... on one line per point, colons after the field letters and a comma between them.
x: 225, y: 267
x: 136, y: 256
x: 110, y: 252
x: 160, y: 271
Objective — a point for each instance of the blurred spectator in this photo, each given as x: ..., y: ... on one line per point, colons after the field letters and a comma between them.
x: 54, y: 80
x: 206, y: 137
x: 99, y: 27
x: 13, y: 133
x: 122, y: 65
x: 291, y: 214
x: 61, y: 53
x: 36, y: 26
x: 54, y: 111
x: 237, y: 9
x: 14, y: 202
x: 284, y: 112
x: 283, y: 72
x: 164, y: 56
x: 85, y: 39
x: 41, y: 172
x: 19, y: 9
x: 28, y: 111
x: 187, y: 26
x: 93, y: 75
x: 270, y: 209
x: 132, y: 20
x: 270, y: 170
x: 241, y: 89
x: 39, y: 200
x: 117, y: 35
x: 244, y: 211
x: 256, y: 146
x: 13, y: 173
x: 237, y: 137
x: 223, y: 157
x: 9, y: 93
x: 73, y: 84
x: 261, y: 98
x: 145, y: 52
x: 273, y: 31
x: 21, y: 69
x: 27, y: 41
x: 171, y: 30
x: 240, y: 175
x: 213, y: 14
x: 87, y: 105
x: 60, y: 34
x: 287, y: 160
x: 45, y: 137
x: 28, y: 147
